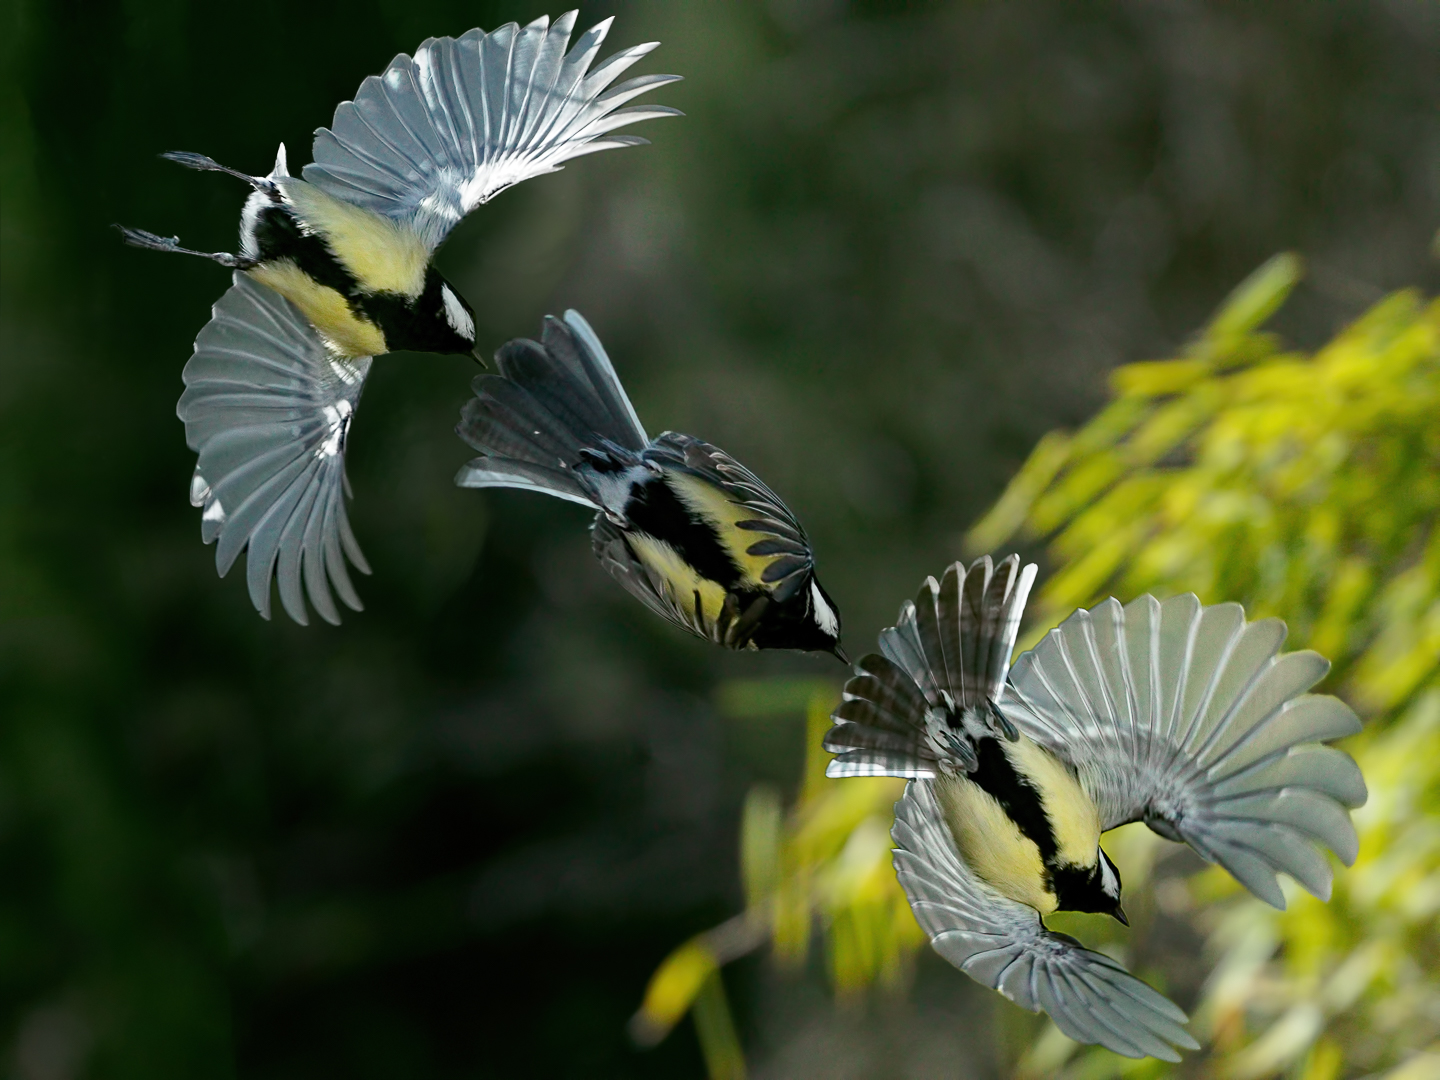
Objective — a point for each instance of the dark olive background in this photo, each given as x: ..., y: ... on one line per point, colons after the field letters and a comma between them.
x: 888, y: 247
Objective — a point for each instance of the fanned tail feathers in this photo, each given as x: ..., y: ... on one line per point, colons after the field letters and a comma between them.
x: 551, y: 400
x: 949, y: 651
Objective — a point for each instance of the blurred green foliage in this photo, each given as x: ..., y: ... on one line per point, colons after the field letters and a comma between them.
x: 1300, y: 485
x: 825, y: 860
x: 1303, y: 485
x: 888, y: 248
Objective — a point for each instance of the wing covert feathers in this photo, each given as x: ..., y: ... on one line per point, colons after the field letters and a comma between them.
x: 1002, y: 944
x: 948, y: 652
x: 729, y: 626
x: 436, y: 135
x: 268, y: 411
x: 1190, y: 719
x: 772, y: 530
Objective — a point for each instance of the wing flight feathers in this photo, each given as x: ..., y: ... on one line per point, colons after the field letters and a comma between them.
x: 436, y: 135
x: 1003, y: 944
x: 268, y: 411
x: 879, y: 726
x: 1190, y: 719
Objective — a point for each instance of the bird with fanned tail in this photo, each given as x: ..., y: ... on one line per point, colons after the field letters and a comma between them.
x: 1183, y: 716
x: 684, y: 527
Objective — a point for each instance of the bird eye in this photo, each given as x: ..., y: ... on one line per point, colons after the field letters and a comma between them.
x: 456, y: 315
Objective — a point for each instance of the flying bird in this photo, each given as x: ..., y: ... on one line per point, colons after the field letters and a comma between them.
x: 335, y: 267
x: 682, y: 525
x: 1183, y: 716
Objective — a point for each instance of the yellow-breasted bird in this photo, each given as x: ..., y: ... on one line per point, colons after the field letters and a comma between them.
x: 335, y: 268
x: 1184, y: 717
x: 679, y: 523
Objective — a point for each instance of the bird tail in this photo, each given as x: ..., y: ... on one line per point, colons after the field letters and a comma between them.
x: 959, y: 633
x: 949, y: 650
x: 552, y: 399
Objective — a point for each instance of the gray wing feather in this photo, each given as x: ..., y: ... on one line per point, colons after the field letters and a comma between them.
x: 874, y: 731
x: 1004, y: 945
x: 438, y: 134
x: 902, y: 644
x: 482, y: 472
x: 1189, y: 718
x: 268, y: 411
x: 949, y: 647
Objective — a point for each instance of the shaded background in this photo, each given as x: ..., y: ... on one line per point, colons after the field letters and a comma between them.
x: 889, y: 246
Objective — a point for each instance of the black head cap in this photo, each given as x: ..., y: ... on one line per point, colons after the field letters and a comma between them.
x: 438, y: 320
x: 1094, y: 889
x: 808, y: 621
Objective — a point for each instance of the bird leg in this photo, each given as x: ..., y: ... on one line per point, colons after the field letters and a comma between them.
x: 207, y: 164
x: 142, y: 239
x: 737, y: 634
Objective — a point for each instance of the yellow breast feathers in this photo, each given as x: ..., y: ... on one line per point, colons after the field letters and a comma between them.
x: 344, y: 333
x: 381, y: 255
x: 722, y: 513
x: 995, y: 848
x: 992, y: 845
x: 1074, y: 817
x: 684, y: 583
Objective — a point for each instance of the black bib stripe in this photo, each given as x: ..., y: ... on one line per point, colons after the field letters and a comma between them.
x: 279, y: 236
x: 654, y: 508
x: 1015, y: 794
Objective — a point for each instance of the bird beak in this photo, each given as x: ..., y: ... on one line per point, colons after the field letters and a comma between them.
x: 475, y: 352
x: 839, y: 654
x: 1120, y: 915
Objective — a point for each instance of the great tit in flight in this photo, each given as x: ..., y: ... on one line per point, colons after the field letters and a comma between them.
x: 686, y: 528
x: 335, y: 268
x: 1182, y: 716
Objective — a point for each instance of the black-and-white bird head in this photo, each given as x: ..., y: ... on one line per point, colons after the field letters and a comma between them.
x: 438, y: 319
x: 808, y: 621
x: 1094, y: 889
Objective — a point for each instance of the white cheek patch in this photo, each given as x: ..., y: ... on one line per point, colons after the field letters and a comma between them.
x: 1109, y: 883
x: 456, y: 315
x: 825, y: 617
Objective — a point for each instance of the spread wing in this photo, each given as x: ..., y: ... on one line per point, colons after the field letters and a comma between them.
x: 268, y: 411
x: 1190, y: 719
x: 880, y: 727
x: 769, y: 534
x: 949, y: 650
x: 437, y: 135
x: 1003, y: 944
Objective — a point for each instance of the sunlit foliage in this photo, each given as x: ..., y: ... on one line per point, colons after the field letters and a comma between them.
x: 826, y: 859
x: 1303, y: 486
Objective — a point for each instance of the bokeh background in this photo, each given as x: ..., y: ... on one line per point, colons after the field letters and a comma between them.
x: 887, y: 249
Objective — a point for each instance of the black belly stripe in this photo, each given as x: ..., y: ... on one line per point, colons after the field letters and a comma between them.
x: 656, y: 509
x: 1018, y: 797
x: 279, y: 236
